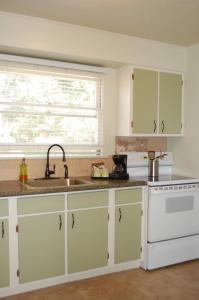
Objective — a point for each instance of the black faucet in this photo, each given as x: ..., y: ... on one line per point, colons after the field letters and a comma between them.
x: 48, y: 172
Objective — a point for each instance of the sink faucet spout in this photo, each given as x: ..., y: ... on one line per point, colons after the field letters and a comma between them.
x: 48, y: 172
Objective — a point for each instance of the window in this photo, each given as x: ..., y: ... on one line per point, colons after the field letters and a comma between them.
x: 40, y: 106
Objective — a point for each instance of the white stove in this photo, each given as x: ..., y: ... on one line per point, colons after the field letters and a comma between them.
x: 172, y: 212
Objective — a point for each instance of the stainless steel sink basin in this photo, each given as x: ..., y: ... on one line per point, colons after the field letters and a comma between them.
x: 54, y: 183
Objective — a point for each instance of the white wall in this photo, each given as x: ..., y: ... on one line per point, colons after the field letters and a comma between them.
x: 186, y: 149
x: 38, y: 37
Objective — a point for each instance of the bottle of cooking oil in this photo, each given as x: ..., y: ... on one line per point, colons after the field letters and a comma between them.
x: 23, y: 171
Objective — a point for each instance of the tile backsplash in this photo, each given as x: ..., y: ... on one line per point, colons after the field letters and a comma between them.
x: 81, y: 166
x: 140, y: 144
x: 36, y: 167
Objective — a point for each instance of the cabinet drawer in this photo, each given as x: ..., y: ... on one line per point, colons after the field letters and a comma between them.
x: 128, y: 196
x: 86, y: 200
x: 32, y: 205
x: 3, y: 207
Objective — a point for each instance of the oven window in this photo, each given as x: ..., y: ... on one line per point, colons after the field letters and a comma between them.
x: 178, y: 204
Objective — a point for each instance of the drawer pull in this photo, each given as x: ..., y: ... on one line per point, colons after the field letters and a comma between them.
x: 60, y: 222
x: 73, y: 220
x: 2, y: 230
x: 163, y: 126
x: 155, y: 126
x: 120, y: 214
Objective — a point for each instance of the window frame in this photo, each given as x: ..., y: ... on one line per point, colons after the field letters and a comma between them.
x: 10, y: 150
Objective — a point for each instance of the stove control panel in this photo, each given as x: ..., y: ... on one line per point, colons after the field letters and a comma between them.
x: 175, y: 188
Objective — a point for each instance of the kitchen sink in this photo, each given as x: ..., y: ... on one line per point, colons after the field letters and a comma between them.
x: 54, y: 183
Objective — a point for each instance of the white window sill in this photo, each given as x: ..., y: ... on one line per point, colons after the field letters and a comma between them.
x: 15, y: 157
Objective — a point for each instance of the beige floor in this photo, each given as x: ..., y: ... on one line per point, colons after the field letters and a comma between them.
x: 176, y: 282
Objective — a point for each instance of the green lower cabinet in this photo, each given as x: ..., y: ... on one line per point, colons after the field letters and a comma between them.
x: 87, y: 239
x: 41, y: 246
x: 127, y: 233
x: 4, y: 254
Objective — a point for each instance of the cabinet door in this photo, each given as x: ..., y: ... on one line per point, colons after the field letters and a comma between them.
x: 41, y: 246
x: 127, y: 233
x: 170, y: 103
x: 87, y: 239
x: 145, y: 99
x: 4, y: 254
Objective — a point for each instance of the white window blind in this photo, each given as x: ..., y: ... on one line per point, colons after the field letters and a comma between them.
x: 41, y: 105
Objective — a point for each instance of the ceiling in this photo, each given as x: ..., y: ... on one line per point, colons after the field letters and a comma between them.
x: 171, y: 21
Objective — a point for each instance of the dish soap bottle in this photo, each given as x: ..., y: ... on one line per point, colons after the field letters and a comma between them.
x: 23, y: 171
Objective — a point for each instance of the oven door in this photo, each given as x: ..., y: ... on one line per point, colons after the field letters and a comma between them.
x: 173, y: 212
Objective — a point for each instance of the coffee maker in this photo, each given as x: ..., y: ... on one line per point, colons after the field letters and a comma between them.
x: 120, y: 170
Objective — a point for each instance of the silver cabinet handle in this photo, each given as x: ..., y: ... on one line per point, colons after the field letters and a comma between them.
x: 73, y: 220
x: 2, y: 230
x: 163, y: 126
x: 120, y: 215
x: 60, y: 222
x: 155, y: 126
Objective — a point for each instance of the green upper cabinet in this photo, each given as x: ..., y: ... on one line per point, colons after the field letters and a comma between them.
x: 87, y: 239
x: 4, y: 254
x: 145, y: 101
x: 41, y: 246
x: 149, y: 102
x: 170, y: 103
x: 157, y: 96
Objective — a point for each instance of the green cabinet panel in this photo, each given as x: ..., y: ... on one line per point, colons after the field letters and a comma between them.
x: 145, y: 101
x: 41, y: 247
x: 3, y: 207
x: 170, y: 102
x: 86, y: 200
x: 4, y: 254
x: 125, y: 196
x: 39, y: 204
x: 127, y: 233
x: 87, y: 239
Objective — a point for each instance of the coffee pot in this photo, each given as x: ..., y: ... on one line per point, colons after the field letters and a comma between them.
x: 120, y: 170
